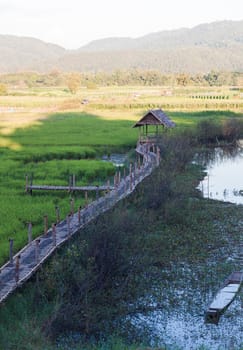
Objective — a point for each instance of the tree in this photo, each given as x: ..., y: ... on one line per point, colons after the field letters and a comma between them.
x: 73, y: 82
x: 182, y: 79
x: 3, y: 90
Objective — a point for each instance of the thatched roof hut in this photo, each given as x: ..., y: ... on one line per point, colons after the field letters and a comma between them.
x: 157, y: 118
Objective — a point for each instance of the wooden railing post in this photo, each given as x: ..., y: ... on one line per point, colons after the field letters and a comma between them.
x: 54, y: 237
x: 68, y: 225
x: 45, y: 224
x: 130, y: 173
x: 72, y: 206
x: 115, y: 180
x: 37, y: 251
x: 31, y: 183
x: 86, y: 199
x: 29, y: 232
x: 70, y: 183
x: 79, y: 214
x: 17, y: 266
x: 57, y: 209
x: 108, y: 185
x: 11, y: 241
x: 158, y: 156
x: 97, y: 192
x: 26, y: 184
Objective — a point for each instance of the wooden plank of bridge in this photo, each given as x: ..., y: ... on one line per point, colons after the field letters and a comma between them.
x: 25, y: 263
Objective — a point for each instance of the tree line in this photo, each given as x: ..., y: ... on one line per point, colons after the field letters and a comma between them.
x: 74, y: 80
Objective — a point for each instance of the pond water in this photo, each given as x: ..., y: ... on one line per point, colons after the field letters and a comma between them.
x: 224, y: 179
x: 117, y: 159
x: 178, y: 323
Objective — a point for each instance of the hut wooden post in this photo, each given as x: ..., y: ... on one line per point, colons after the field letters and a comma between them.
x: 54, y: 236
x: 57, y: 209
x: 29, y: 232
x: 37, y: 251
x: 11, y: 241
x: 74, y: 180
x: 45, y: 224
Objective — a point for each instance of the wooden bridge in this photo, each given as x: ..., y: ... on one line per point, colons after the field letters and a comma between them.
x: 68, y: 188
x: 25, y: 263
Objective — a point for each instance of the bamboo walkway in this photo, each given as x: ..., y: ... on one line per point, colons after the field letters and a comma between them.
x: 68, y: 188
x: 27, y: 261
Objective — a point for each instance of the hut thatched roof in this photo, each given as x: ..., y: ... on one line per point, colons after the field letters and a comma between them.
x: 155, y: 117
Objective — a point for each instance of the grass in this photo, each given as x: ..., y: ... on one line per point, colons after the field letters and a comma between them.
x: 51, y: 150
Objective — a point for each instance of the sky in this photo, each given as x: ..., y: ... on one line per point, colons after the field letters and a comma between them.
x: 74, y: 23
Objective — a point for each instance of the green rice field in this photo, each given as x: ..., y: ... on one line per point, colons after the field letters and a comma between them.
x: 51, y: 151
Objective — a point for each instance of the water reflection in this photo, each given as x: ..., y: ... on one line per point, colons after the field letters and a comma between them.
x: 224, y: 180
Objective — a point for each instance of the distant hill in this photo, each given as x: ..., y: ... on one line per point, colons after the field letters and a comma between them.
x: 206, y: 47
x: 214, y: 35
x: 22, y: 53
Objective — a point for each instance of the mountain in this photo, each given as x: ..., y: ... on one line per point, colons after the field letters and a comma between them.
x: 213, y: 35
x: 23, y: 53
x: 206, y: 47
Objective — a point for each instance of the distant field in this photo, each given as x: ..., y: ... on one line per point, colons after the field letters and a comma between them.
x: 44, y: 100
x: 51, y: 134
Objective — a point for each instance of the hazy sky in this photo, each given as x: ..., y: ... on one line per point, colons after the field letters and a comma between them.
x: 73, y: 23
